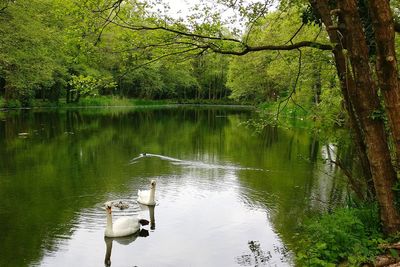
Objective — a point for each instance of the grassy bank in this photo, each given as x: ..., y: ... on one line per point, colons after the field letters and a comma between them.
x: 112, y: 101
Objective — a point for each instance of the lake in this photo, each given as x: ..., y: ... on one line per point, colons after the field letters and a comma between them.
x: 226, y: 196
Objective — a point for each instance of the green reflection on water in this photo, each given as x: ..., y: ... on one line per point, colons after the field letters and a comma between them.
x: 58, y: 162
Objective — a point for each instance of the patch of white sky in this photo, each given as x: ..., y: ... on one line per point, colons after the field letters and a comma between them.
x: 230, y: 18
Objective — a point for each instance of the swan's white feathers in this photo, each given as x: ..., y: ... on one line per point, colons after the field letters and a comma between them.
x: 123, y: 226
x: 147, y: 197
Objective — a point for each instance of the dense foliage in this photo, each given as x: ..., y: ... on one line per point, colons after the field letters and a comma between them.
x: 349, y: 235
x: 60, y: 49
x: 54, y: 50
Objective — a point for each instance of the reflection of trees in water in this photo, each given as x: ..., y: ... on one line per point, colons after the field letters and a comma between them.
x: 256, y: 258
x: 82, y: 152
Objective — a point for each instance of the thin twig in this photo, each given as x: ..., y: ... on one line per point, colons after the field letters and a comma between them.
x: 253, y: 22
x: 293, y: 90
x: 112, y: 6
x: 117, y: 8
x: 157, y: 59
x: 294, y: 35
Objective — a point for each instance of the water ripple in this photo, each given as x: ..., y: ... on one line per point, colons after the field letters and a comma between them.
x: 95, y: 218
x: 193, y: 164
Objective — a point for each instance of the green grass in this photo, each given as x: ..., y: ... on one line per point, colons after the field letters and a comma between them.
x: 101, y: 101
x: 10, y: 104
x: 112, y: 101
x: 350, y: 235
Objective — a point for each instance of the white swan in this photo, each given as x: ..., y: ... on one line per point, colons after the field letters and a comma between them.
x: 123, y: 226
x: 146, y: 197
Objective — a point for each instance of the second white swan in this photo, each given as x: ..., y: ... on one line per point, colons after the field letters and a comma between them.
x: 147, y: 197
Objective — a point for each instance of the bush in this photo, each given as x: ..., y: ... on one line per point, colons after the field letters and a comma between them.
x: 12, y: 103
x: 347, y: 235
x: 104, y: 101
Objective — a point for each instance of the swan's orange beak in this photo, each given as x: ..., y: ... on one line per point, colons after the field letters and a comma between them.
x: 108, y: 209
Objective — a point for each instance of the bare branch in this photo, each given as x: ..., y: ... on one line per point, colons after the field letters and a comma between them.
x: 289, y: 97
x: 114, y: 8
x: 159, y: 58
x: 248, y: 49
x: 165, y: 55
x: 294, y: 35
x: 182, y: 45
x: 163, y: 28
x: 253, y: 22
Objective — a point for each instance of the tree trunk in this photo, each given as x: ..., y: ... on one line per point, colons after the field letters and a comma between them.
x: 68, y: 96
x: 209, y: 90
x: 366, y: 101
x: 386, y: 65
x: 8, y: 92
x: 359, y: 90
x: 346, y: 81
x: 317, y: 86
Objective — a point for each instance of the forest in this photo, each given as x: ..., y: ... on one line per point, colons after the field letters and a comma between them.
x: 65, y: 50
x: 333, y: 62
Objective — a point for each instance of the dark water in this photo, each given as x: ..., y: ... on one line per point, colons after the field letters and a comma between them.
x: 226, y: 196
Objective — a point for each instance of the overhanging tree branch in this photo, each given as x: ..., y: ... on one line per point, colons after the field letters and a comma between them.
x: 206, y: 42
x: 163, y: 28
x: 248, y: 49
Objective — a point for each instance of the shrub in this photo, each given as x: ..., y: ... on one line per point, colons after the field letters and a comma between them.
x: 347, y: 234
x: 12, y: 103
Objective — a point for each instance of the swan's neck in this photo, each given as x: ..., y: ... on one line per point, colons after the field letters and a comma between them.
x: 109, y: 222
x: 152, y: 194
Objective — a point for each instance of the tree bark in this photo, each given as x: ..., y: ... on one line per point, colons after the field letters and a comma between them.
x: 386, y: 65
x: 346, y: 82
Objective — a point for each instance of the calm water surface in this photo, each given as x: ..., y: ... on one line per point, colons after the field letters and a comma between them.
x: 226, y: 196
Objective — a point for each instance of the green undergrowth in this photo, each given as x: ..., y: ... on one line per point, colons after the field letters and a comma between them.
x: 330, y: 125
x: 347, y: 236
x: 112, y: 101
x: 283, y: 116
